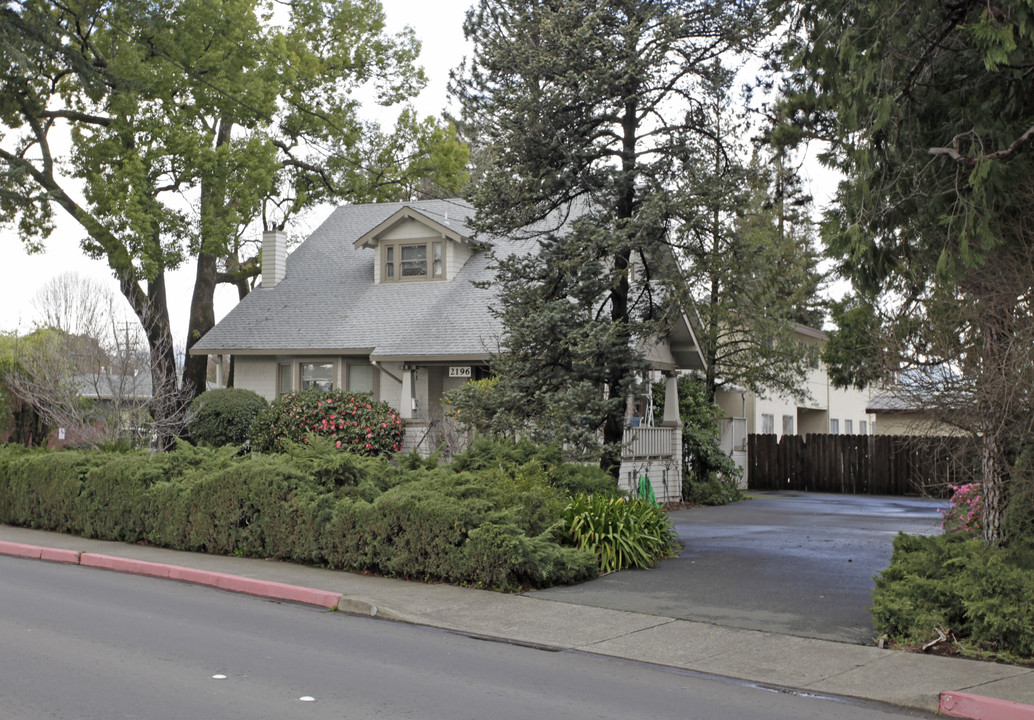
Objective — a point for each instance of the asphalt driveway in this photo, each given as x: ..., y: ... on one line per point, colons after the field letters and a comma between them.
x: 792, y: 563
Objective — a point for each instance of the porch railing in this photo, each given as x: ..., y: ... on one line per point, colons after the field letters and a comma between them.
x: 648, y: 442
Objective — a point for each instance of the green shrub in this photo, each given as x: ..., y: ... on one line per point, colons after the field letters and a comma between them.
x: 982, y: 595
x: 309, y: 504
x: 620, y: 533
x: 570, y: 478
x: 716, y: 490
x: 351, y: 421
x: 224, y: 416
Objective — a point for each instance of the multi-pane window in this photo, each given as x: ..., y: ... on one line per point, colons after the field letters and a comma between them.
x: 848, y: 427
x: 767, y: 424
x: 863, y: 427
x: 318, y: 375
x: 414, y: 261
x: 834, y: 427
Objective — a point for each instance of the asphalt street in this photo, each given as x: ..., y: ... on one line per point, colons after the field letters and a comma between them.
x: 792, y: 563
x: 84, y: 644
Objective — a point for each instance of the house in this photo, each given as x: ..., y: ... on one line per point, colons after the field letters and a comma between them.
x: 393, y: 299
x: 825, y: 410
x: 903, y: 413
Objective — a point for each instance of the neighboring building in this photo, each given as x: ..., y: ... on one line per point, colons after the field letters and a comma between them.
x: 115, y: 406
x: 393, y: 299
x: 826, y: 410
x: 901, y: 414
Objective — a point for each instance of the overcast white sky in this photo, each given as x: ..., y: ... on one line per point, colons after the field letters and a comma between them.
x: 439, y: 27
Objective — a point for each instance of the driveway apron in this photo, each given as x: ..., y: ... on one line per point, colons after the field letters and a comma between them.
x: 792, y: 563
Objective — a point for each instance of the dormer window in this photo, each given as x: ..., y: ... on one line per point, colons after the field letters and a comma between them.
x: 413, y: 246
x: 413, y: 261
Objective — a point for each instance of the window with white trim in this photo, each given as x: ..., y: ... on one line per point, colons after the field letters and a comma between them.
x: 284, y: 378
x: 767, y: 423
x: 407, y: 261
x: 788, y: 424
x: 834, y: 426
x: 863, y: 427
x: 316, y: 374
x: 360, y: 377
x: 849, y: 427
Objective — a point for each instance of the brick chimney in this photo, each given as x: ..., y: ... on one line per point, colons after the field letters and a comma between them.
x: 274, y: 257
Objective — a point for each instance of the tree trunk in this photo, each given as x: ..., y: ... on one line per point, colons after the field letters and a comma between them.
x: 152, y: 309
x: 202, y: 303
x: 994, y: 473
x: 202, y: 319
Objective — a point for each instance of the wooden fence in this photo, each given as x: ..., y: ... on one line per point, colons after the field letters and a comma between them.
x: 859, y: 464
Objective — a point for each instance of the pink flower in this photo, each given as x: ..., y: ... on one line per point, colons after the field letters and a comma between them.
x: 337, y: 444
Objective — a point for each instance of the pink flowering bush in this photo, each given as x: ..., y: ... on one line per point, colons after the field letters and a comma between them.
x: 350, y: 421
x: 964, y: 517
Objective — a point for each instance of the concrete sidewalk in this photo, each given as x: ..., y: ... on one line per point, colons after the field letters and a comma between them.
x: 961, y: 688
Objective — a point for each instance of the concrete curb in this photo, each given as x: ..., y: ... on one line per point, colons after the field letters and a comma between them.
x: 221, y: 581
x: 978, y: 707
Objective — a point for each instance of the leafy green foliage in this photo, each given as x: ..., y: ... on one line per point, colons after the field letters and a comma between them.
x: 980, y: 594
x: 223, y: 416
x: 746, y: 247
x: 310, y: 504
x: 620, y: 533
x: 927, y: 116
x: 567, y: 477
x: 354, y: 422
x: 250, y: 118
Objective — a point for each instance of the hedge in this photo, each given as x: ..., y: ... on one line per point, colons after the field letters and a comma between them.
x: 982, y: 596
x: 315, y: 505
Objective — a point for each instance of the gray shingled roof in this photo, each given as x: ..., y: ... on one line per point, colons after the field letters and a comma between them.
x: 328, y: 302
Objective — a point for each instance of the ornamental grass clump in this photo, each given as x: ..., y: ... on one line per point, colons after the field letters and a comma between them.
x: 621, y: 533
x: 350, y: 421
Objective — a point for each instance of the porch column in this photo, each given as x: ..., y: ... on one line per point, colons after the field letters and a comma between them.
x: 671, y: 401
x: 406, y: 401
x: 219, y: 371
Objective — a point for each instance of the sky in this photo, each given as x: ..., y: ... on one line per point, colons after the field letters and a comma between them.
x: 438, y: 25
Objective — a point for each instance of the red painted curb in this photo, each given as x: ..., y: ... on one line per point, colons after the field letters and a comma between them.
x: 978, y: 707
x: 20, y: 549
x: 279, y: 591
x: 222, y: 581
x: 59, y: 555
x: 120, y: 564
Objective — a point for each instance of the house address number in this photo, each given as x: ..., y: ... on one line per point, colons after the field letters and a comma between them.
x: 460, y: 372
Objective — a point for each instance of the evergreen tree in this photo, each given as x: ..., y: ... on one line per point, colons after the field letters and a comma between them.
x: 585, y: 107
x: 745, y: 241
x: 927, y: 114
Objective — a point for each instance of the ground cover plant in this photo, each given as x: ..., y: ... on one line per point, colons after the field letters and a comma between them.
x: 980, y: 598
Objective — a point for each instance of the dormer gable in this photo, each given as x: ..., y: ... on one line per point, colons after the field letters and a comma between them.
x: 412, y: 246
